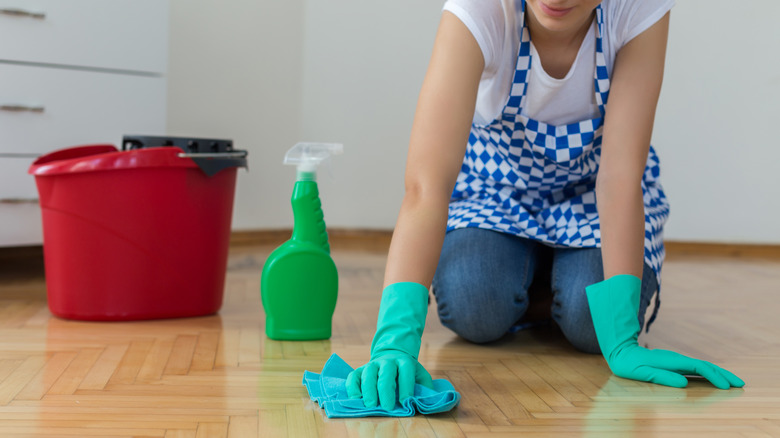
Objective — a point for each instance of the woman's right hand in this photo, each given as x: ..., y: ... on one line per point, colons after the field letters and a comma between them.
x: 376, y: 381
x: 394, y: 350
x: 440, y: 131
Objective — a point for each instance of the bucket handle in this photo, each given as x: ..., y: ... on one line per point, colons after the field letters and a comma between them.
x: 211, y: 155
x: 237, y: 154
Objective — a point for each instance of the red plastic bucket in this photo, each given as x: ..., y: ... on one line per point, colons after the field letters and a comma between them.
x: 128, y: 235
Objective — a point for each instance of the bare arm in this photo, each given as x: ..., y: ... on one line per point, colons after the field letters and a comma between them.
x: 438, y: 140
x: 635, y: 87
x: 614, y: 302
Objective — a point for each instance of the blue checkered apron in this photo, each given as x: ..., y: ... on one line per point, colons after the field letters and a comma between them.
x: 531, y: 179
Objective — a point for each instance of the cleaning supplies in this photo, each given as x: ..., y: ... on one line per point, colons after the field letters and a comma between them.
x: 299, y: 284
x: 329, y: 390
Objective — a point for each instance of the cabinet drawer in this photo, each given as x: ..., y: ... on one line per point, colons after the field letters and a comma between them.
x: 22, y: 224
x: 78, y: 107
x: 15, y: 183
x: 113, y: 34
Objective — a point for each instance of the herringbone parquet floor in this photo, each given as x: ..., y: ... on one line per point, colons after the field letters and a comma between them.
x: 219, y: 376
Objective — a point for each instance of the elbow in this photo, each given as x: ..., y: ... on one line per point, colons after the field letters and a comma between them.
x: 617, y: 185
x: 419, y: 191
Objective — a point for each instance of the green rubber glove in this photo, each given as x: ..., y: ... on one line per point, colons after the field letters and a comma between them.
x: 614, y: 305
x: 394, y: 349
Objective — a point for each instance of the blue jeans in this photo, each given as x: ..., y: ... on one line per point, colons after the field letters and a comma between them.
x: 483, y: 279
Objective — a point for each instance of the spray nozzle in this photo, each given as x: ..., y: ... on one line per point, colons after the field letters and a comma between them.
x: 307, y: 156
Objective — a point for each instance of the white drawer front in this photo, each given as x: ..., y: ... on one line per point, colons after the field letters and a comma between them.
x: 15, y: 183
x: 79, y: 107
x: 21, y: 225
x: 114, y: 34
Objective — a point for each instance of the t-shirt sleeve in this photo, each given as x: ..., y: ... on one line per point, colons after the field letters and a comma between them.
x: 485, y: 20
x: 632, y: 17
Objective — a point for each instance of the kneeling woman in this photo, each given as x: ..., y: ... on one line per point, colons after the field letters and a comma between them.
x: 531, y: 149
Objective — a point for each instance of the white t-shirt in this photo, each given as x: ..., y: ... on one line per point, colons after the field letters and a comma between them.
x: 496, y: 26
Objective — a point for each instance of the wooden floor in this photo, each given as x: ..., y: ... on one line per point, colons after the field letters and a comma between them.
x: 219, y: 376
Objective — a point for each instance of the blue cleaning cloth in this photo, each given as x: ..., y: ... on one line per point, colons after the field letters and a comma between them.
x: 329, y: 390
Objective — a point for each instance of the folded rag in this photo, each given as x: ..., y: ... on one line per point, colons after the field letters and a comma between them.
x: 329, y: 390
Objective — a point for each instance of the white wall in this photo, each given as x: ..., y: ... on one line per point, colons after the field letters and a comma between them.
x: 364, y: 63
x: 235, y: 72
x: 717, y: 121
x: 271, y: 73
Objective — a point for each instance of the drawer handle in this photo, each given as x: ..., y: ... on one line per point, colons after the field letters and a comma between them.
x: 22, y: 108
x: 19, y: 201
x: 18, y: 155
x: 22, y: 13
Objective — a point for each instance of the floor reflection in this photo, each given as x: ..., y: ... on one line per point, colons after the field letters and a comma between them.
x: 626, y: 406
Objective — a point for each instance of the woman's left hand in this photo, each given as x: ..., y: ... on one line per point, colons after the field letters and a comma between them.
x: 614, y: 304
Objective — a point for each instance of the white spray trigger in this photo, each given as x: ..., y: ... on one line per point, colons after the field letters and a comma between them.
x: 308, y: 156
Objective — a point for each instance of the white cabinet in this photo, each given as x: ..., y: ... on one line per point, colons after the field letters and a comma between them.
x: 71, y: 73
x: 128, y: 35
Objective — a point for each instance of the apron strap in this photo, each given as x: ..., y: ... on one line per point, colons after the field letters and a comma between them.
x: 600, y: 75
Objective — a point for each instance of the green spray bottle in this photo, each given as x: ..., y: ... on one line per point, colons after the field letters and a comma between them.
x: 299, y: 284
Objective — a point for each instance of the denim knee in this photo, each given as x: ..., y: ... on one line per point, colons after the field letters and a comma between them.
x: 477, y: 317
x: 577, y: 326
x: 573, y: 271
x: 481, y: 282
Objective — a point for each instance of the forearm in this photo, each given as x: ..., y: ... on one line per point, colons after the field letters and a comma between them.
x: 636, y: 84
x: 622, y: 222
x: 438, y: 140
x: 417, y: 239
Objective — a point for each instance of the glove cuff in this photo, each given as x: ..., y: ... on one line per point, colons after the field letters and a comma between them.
x: 614, y: 306
x: 401, y: 320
